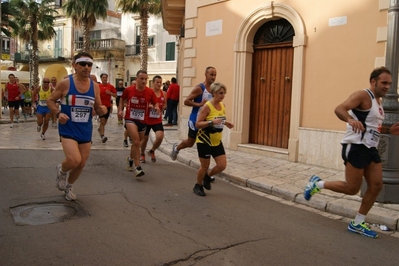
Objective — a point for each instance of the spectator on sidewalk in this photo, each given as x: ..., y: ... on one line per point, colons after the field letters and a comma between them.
x: 172, y: 97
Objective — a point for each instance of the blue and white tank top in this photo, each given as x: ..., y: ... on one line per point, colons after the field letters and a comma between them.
x: 372, y: 121
x: 194, y: 112
x: 78, y: 106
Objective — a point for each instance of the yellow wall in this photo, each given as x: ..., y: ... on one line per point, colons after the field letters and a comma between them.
x: 338, y: 60
x: 330, y: 62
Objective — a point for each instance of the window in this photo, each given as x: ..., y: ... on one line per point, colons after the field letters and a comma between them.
x: 138, y: 39
x: 151, y: 41
x: 170, y: 51
x: 275, y: 31
x: 95, y: 35
x: 58, y: 3
x: 58, y: 43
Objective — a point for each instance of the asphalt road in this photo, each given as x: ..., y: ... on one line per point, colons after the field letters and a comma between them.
x: 158, y: 220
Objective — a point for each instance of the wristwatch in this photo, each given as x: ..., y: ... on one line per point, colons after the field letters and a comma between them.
x: 210, y: 123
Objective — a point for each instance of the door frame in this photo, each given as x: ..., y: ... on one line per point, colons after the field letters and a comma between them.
x: 243, y: 52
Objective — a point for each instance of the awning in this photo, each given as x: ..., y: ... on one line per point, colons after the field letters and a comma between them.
x: 22, y: 75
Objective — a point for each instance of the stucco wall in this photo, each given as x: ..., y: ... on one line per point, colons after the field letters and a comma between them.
x: 331, y: 62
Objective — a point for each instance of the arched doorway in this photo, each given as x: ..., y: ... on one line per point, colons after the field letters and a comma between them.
x: 271, y: 87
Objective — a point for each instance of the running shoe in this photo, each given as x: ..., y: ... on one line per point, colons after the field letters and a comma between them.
x: 61, y: 178
x: 311, y: 187
x: 11, y: 125
x: 129, y: 165
x: 142, y: 158
x: 125, y: 143
x: 39, y: 128
x: 199, y: 190
x: 174, y: 152
x: 42, y: 136
x: 152, y: 155
x: 69, y: 195
x: 104, y: 139
x: 361, y: 229
x: 17, y: 121
x: 212, y: 179
x: 207, y: 182
x: 139, y: 171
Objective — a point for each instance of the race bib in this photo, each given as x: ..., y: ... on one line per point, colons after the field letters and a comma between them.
x: 80, y: 114
x: 43, y: 103
x: 372, y: 137
x: 137, y: 114
x: 154, y: 113
x: 119, y: 93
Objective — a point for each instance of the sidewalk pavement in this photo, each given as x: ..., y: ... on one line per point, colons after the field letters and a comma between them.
x: 276, y: 177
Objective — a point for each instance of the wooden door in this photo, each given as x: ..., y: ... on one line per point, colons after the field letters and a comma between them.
x: 271, y: 95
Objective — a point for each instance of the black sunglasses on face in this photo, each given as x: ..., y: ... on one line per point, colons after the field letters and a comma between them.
x: 83, y: 64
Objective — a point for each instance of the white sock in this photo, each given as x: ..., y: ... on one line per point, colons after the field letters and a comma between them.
x: 320, y: 184
x: 359, y: 218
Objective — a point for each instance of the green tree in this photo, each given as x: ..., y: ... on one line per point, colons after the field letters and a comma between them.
x: 84, y: 13
x: 144, y: 8
x: 7, y: 25
x: 35, y: 20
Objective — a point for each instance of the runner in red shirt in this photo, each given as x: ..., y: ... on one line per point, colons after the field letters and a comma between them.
x: 154, y: 121
x: 14, y: 96
x: 106, y: 91
x: 137, y: 100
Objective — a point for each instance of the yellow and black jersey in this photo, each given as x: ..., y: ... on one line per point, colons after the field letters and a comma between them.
x: 212, y: 135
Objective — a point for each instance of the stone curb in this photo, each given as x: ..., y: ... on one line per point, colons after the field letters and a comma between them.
x: 345, y: 206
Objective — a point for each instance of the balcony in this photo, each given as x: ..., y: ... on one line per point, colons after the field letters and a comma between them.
x: 104, y: 48
x: 103, y: 44
x: 48, y: 55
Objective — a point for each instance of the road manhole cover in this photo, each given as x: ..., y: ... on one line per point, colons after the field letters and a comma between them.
x: 46, y: 213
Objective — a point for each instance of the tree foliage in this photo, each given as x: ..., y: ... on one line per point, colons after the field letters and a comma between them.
x: 34, y: 22
x: 84, y: 14
x: 144, y: 8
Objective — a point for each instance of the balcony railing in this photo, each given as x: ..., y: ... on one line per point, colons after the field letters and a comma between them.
x: 103, y: 44
x: 48, y: 54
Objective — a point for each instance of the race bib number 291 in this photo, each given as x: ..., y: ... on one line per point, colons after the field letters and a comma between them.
x: 80, y: 114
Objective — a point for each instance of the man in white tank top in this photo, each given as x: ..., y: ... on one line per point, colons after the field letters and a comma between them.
x: 364, y: 115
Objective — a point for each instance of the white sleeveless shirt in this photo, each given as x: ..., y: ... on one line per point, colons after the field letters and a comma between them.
x: 372, y: 121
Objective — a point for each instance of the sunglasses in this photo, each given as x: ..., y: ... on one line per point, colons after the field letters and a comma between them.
x: 83, y: 64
